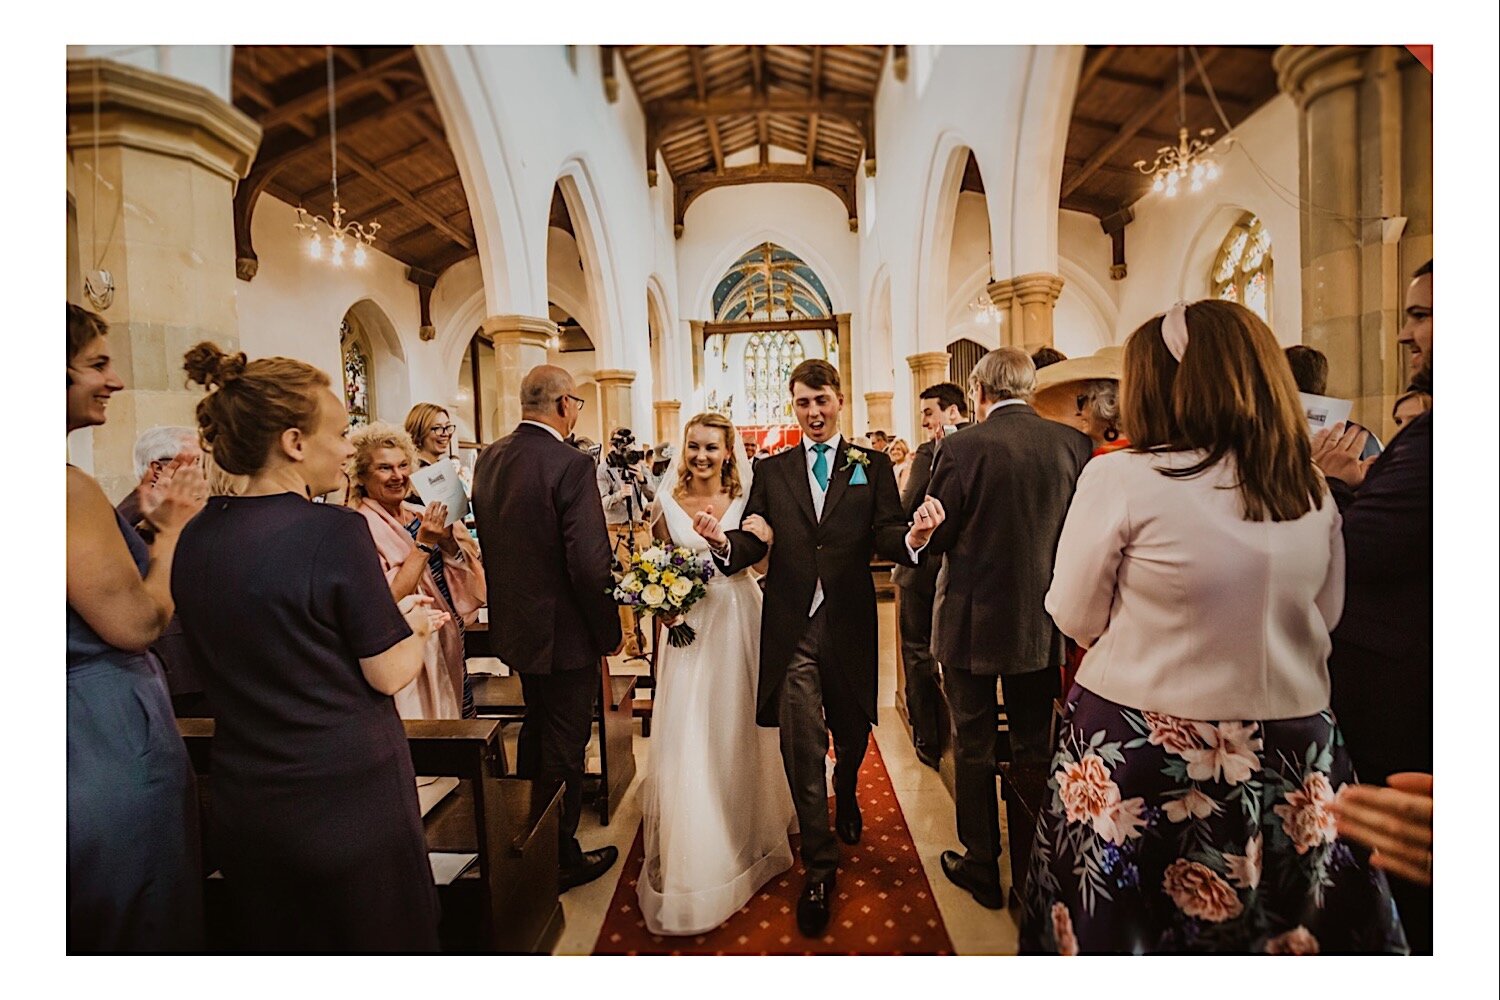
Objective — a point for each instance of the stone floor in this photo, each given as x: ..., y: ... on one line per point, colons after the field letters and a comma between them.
x: 920, y: 792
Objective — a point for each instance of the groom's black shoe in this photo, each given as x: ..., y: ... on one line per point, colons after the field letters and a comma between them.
x: 590, y: 866
x: 988, y: 896
x: 847, y: 820
x: 813, y: 907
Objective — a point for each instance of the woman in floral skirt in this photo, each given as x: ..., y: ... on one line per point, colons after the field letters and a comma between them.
x: 1197, y: 757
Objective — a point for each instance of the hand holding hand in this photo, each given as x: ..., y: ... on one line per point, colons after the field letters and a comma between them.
x: 1336, y: 451
x: 757, y: 526
x: 177, y: 495
x: 1395, y: 822
x: 924, y: 522
x: 432, y: 530
x: 707, y: 526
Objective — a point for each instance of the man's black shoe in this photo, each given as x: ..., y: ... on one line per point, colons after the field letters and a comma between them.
x: 847, y: 821
x: 589, y: 867
x: 813, y: 907
x: 928, y: 756
x: 988, y: 896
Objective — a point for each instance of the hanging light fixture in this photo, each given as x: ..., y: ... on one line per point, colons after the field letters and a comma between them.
x: 334, y: 239
x: 986, y: 313
x: 1191, y: 160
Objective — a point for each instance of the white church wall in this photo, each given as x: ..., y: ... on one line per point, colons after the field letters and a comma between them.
x: 725, y: 223
x: 1171, y: 245
x: 969, y: 273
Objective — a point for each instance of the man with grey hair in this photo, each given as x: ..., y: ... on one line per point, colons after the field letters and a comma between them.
x: 547, y: 566
x: 1006, y: 484
x: 154, y: 451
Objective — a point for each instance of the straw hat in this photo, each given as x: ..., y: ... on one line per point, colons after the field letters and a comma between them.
x: 1105, y: 363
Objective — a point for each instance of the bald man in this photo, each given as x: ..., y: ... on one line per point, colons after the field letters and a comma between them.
x: 547, y: 563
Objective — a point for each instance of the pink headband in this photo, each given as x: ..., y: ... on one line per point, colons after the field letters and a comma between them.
x: 1174, y: 331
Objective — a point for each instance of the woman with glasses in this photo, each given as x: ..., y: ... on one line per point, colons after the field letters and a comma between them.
x: 431, y: 430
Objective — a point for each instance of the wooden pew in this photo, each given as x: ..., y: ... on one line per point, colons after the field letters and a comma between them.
x: 614, y: 711
x: 506, y: 902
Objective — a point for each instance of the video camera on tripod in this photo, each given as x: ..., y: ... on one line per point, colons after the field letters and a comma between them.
x: 623, y: 456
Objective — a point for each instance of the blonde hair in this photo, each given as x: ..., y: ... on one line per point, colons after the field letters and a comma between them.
x: 250, y: 403
x: 366, y: 440
x: 421, y: 420
x: 729, y: 473
x: 904, y: 447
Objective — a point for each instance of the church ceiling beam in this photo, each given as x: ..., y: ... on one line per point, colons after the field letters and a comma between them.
x: 671, y: 112
x: 1095, y: 63
x: 812, y: 140
x: 607, y: 68
x: 1099, y: 125
x: 311, y: 90
x: 717, y: 143
x: 1228, y: 98
x: 758, y: 68
x: 253, y: 89
x: 700, y: 81
x: 396, y: 190
x: 815, y: 78
x: 690, y: 186
x: 1166, y: 94
x: 763, y: 137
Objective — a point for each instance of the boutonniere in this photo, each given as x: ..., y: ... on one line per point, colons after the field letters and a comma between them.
x: 858, y: 461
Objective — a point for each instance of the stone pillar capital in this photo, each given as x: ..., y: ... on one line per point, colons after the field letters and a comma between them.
x: 927, y: 360
x: 160, y: 114
x: 1037, y: 288
x: 1307, y: 72
x: 879, y: 396
x: 519, y: 331
x: 666, y: 405
x: 614, y: 376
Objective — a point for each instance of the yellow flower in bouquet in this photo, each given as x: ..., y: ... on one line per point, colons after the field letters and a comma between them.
x: 666, y: 583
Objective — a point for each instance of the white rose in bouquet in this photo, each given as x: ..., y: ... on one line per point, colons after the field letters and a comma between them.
x: 654, y: 595
x: 681, y: 587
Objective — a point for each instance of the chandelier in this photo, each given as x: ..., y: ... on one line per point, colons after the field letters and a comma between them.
x: 986, y: 313
x: 1191, y: 159
x: 334, y: 239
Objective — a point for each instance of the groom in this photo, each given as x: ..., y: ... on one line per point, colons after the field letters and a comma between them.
x: 828, y: 507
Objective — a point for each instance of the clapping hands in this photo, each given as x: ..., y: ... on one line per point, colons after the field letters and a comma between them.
x: 176, y: 495
x: 419, y: 613
x: 433, y: 529
x: 1336, y: 451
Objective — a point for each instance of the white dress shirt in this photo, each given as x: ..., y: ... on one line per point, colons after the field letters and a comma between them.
x: 1186, y: 607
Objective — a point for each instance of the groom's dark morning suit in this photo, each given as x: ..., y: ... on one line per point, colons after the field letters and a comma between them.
x: 818, y: 667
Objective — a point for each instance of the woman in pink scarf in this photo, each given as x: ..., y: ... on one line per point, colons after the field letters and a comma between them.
x: 419, y: 555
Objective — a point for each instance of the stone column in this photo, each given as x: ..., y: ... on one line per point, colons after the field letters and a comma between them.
x: 614, y: 400
x: 927, y: 369
x: 846, y: 374
x: 520, y: 345
x: 155, y: 211
x: 1365, y: 151
x: 697, y: 328
x: 1027, y: 300
x: 878, y: 412
x: 668, y: 420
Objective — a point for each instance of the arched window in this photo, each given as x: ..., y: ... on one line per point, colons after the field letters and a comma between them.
x: 1242, y: 271
x: 358, y: 374
x: 769, y: 360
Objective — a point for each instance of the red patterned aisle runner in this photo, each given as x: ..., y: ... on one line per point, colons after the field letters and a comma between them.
x: 883, y: 903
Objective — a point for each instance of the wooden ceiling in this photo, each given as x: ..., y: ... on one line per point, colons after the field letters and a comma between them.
x: 705, y: 103
x: 1126, y: 108
x: 395, y: 165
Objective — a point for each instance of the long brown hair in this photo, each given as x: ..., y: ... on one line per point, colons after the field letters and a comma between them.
x: 729, y: 472
x: 1232, y: 394
x: 249, y: 403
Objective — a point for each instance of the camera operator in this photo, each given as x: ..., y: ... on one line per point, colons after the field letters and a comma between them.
x: 626, y: 488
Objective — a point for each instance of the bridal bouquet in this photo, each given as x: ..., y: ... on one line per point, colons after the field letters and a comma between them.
x: 666, y: 582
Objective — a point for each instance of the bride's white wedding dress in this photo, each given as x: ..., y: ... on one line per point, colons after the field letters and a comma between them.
x: 715, y: 799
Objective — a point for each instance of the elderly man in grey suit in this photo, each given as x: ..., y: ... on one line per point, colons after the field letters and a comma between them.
x: 1005, y: 484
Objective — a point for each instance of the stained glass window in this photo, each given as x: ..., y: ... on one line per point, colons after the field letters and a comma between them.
x: 356, y: 375
x: 1242, y: 271
x: 769, y: 360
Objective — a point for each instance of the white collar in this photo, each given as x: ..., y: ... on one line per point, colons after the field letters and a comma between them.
x: 1004, y: 402
x: 546, y: 427
x: 832, y: 443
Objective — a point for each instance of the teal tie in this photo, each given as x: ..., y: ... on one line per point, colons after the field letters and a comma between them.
x: 820, y: 465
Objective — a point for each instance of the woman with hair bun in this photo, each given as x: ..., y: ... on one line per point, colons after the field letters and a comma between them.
x: 315, y: 812
x: 133, y: 882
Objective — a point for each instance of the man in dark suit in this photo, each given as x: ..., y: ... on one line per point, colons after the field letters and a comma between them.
x: 944, y: 410
x: 1381, y: 666
x: 1006, y: 484
x: 830, y: 507
x: 547, y: 564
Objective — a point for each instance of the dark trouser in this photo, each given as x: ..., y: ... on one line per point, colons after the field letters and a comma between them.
x: 815, y: 700
x: 975, y: 707
x: 923, y: 693
x: 554, y: 737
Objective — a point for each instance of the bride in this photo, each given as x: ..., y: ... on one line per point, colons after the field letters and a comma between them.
x: 716, y: 804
